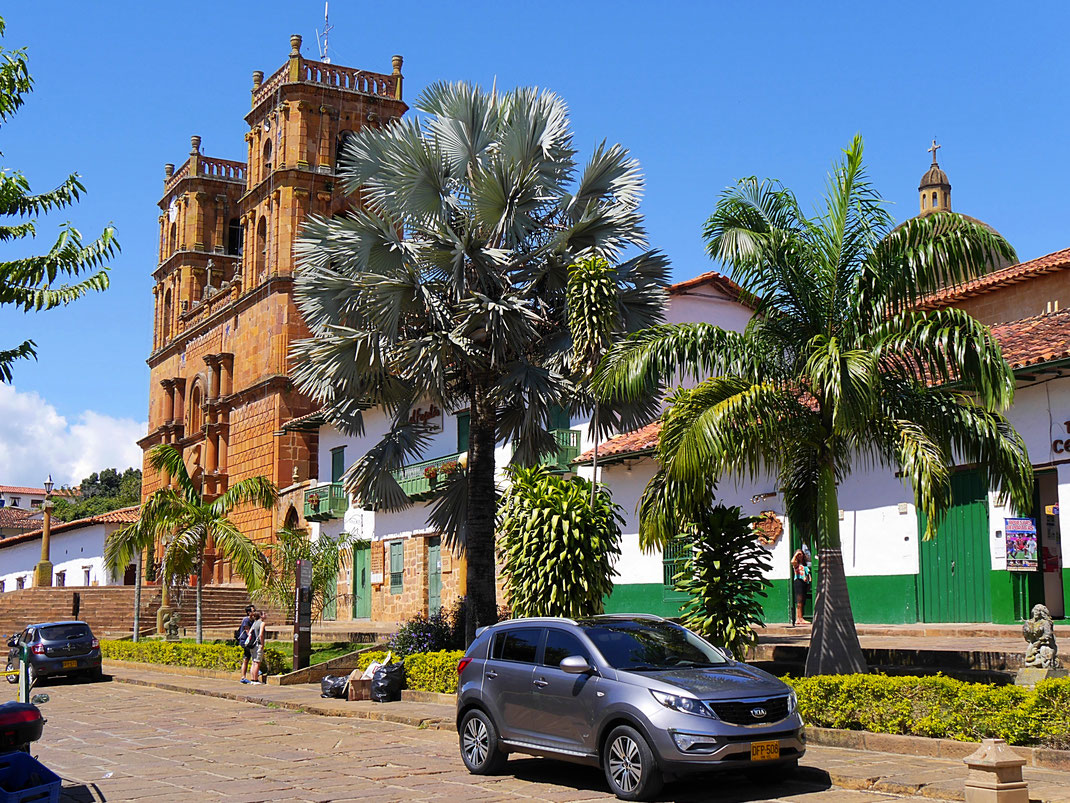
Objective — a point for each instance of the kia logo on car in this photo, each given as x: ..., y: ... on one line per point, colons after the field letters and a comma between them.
x: 758, y: 713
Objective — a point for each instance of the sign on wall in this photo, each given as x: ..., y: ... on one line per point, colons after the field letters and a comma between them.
x: 1021, y: 544
x: 429, y: 415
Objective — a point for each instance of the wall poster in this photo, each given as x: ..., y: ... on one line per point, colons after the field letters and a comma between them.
x: 1021, y: 544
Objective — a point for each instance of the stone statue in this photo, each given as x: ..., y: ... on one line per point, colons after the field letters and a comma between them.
x: 170, y: 626
x: 1039, y: 633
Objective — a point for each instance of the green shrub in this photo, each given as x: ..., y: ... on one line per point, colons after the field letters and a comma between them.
x: 423, y: 633
x: 937, y: 707
x: 221, y: 657
x: 424, y: 671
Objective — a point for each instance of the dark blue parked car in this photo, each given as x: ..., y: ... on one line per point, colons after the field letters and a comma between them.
x: 57, y: 648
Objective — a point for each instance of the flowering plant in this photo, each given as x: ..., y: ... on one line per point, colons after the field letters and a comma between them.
x: 450, y: 467
x: 431, y: 472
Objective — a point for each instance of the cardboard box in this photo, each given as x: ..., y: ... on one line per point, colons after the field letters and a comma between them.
x: 360, y: 690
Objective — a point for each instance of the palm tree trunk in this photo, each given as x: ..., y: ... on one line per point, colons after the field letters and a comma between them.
x: 200, y: 600
x: 834, y: 647
x: 482, y: 605
x: 137, y: 597
x: 594, y: 457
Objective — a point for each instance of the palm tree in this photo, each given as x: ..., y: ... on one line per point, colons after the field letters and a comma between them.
x: 448, y: 284
x: 188, y: 522
x: 837, y: 369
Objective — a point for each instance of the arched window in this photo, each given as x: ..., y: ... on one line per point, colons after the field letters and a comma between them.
x: 261, y: 247
x: 946, y: 204
x: 234, y: 237
x: 935, y: 202
x: 196, y: 414
x: 291, y: 519
x: 168, y: 310
x: 266, y: 163
x: 923, y: 200
x: 172, y: 242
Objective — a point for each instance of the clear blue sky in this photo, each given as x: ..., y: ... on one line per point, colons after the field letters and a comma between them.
x: 701, y: 92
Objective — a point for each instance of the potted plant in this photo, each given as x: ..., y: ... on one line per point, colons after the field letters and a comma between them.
x: 431, y: 473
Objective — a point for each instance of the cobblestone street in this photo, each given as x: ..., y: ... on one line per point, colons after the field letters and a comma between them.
x: 117, y: 742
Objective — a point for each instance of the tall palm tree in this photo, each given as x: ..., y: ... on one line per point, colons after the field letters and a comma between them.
x: 837, y: 370
x: 448, y: 284
x: 188, y: 522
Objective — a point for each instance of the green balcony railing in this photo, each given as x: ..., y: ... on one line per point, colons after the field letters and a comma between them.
x: 568, y: 449
x: 327, y: 501
x: 414, y: 479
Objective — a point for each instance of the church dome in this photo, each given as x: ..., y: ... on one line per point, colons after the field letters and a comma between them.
x: 934, y: 177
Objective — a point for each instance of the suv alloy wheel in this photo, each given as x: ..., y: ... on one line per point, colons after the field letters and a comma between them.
x: 630, y: 766
x: 479, y: 744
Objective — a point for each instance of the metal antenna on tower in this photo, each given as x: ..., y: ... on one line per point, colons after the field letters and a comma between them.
x: 324, y: 55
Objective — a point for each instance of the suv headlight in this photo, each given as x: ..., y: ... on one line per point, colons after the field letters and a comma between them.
x: 687, y: 705
x: 793, y: 703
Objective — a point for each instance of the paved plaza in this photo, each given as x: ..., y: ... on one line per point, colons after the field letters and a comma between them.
x: 114, y: 741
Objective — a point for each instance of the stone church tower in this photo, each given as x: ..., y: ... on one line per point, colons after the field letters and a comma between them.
x: 224, y: 312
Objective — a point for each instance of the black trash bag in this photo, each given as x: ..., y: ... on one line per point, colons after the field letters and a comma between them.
x: 387, y: 682
x: 332, y: 686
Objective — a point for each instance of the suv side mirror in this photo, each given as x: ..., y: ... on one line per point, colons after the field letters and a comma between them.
x: 39, y: 699
x: 13, y: 641
x: 575, y: 665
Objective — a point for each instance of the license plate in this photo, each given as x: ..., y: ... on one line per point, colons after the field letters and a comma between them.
x: 70, y: 664
x: 764, y: 751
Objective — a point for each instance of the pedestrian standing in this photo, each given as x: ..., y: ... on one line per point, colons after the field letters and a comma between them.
x: 256, y: 636
x: 243, y: 641
x: 801, y: 578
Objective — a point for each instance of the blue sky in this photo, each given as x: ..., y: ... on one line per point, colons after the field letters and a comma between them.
x: 702, y: 93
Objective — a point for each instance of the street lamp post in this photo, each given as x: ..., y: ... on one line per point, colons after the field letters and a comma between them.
x: 42, y: 573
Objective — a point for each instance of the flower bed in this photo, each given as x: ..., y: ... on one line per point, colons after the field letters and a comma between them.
x: 221, y: 657
x: 938, y: 707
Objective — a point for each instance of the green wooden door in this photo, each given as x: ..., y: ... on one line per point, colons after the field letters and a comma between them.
x: 954, y: 584
x: 362, y: 587
x: 434, y: 574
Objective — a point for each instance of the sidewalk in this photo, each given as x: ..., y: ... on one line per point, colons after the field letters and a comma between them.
x: 936, y: 778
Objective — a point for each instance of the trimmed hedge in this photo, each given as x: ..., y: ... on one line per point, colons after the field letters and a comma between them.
x: 424, y: 671
x: 937, y: 707
x: 222, y: 657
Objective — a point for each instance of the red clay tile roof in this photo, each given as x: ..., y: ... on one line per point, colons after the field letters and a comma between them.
x: 1004, y: 277
x: 15, y: 517
x: 21, y: 490
x: 1034, y: 341
x: 124, y: 515
x: 1025, y: 343
x: 638, y: 441
x: 712, y: 279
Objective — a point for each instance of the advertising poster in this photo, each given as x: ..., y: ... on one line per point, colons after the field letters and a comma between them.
x: 1021, y: 544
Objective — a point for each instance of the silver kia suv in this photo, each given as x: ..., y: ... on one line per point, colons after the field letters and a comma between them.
x: 642, y: 697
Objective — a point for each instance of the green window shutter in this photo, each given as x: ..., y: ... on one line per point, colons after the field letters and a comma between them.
x: 338, y: 463
x: 559, y: 418
x: 462, y: 431
x: 397, y: 566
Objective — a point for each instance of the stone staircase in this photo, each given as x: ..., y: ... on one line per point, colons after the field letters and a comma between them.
x: 109, y: 610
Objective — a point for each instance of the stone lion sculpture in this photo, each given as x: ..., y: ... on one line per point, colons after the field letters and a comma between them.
x: 1039, y: 632
x: 170, y: 625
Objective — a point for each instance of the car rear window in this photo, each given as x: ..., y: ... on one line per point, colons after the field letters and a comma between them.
x: 517, y: 645
x: 61, y: 632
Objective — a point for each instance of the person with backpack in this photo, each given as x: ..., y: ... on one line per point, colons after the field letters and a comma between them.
x: 241, y: 635
x: 256, y: 643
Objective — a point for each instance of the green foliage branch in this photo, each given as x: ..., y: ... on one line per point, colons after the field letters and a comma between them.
x: 723, y: 574
x: 325, y: 553
x: 557, y: 548
x: 36, y: 283
x: 100, y: 493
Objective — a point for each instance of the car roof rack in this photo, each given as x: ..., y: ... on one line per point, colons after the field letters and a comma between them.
x: 651, y: 616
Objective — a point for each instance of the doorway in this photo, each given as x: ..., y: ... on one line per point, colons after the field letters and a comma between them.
x: 1050, y: 541
x: 954, y: 584
x: 362, y: 597
x: 434, y: 575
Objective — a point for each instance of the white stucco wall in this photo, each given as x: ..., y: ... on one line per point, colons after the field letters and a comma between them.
x: 72, y: 551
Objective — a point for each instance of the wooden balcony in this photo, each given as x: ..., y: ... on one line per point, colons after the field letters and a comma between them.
x: 327, y: 501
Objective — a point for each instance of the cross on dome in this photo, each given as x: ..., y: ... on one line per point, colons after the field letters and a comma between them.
x: 934, y: 149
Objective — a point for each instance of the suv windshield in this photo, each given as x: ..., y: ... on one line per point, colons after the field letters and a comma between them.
x: 650, y: 646
x: 60, y: 632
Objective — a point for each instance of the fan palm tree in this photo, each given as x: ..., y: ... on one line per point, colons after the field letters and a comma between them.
x: 838, y: 369
x: 188, y: 523
x: 448, y: 284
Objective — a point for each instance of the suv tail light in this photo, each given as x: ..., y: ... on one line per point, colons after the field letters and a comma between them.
x: 18, y: 717
x: 38, y: 649
x: 462, y: 664
x: 95, y: 644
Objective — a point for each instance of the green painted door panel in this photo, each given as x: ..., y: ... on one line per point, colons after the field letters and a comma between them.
x: 362, y: 588
x: 434, y: 575
x: 954, y: 584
